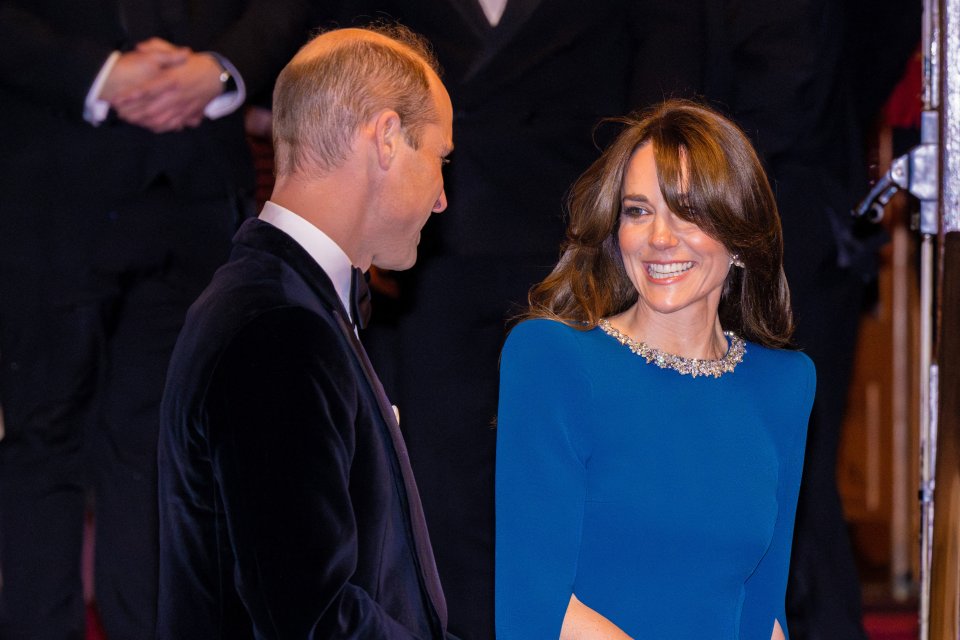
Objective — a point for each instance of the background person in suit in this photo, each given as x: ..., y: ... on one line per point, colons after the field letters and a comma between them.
x: 529, y: 86
x: 110, y: 226
x: 806, y: 80
x: 289, y: 509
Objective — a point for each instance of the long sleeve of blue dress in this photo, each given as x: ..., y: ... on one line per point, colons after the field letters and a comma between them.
x: 541, y: 462
x: 765, y: 589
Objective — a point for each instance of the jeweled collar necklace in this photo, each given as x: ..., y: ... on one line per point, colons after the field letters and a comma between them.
x: 692, y: 367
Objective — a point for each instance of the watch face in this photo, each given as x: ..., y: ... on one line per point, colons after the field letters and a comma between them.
x: 227, y: 81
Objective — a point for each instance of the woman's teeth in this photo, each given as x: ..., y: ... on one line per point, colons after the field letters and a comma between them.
x: 660, y: 271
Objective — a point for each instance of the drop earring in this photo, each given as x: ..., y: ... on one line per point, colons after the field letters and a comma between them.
x: 736, y: 261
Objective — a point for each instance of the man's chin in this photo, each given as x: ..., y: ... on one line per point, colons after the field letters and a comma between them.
x: 397, y: 264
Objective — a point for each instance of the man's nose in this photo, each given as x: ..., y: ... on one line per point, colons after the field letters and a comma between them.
x: 441, y: 202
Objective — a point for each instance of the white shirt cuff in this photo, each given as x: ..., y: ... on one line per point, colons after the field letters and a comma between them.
x: 226, y: 103
x: 95, y: 110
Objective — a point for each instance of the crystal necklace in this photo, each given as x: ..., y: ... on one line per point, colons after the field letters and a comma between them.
x: 685, y: 366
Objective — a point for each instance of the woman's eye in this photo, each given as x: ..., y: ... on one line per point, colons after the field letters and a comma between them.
x: 634, y: 212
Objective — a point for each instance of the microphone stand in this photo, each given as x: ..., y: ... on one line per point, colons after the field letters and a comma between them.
x: 931, y: 173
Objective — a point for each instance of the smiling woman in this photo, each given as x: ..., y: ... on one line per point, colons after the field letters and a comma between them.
x: 654, y: 496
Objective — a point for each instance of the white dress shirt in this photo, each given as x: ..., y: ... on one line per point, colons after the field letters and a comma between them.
x: 321, y: 248
x: 493, y: 9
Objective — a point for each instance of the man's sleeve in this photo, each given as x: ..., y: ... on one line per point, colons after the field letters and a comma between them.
x: 282, y: 410
x: 263, y: 39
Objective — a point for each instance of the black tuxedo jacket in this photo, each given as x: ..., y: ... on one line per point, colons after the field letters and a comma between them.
x: 288, y: 509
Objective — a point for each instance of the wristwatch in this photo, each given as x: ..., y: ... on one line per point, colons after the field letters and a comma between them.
x: 226, y: 80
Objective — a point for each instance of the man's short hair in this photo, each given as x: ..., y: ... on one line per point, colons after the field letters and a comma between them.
x: 321, y: 101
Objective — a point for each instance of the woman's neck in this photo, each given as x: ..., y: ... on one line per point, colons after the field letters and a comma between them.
x: 690, y: 335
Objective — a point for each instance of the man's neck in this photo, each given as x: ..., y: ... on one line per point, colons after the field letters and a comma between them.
x: 332, y: 204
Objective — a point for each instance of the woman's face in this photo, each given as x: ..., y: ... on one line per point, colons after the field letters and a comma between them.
x: 672, y: 263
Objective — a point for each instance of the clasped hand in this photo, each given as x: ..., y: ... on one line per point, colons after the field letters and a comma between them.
x: 162, y: 87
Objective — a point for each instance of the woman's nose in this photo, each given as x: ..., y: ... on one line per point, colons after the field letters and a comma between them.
x: 662, y: 236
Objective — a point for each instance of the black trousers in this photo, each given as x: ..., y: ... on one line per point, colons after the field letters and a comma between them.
x: 84, y: 350
x: 823, y: 591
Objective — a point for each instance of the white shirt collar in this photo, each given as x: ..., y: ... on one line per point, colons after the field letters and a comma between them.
x: 321, y: 248
x: 493, y: 9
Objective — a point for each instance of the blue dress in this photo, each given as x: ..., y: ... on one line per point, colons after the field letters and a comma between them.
x: 664, y: 502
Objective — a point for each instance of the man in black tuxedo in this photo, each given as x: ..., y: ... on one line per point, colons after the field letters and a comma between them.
x: 529, y: 87
x: 123, y: 174
x: 288, y: 506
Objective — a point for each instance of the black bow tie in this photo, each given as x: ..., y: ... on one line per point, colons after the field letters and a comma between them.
x: 360, y: 306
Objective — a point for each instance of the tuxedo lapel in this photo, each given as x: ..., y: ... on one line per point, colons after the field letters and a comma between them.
x: 421, y: 535
x: 514, y: 17
x: 535, y: 33
x: 473, y: 16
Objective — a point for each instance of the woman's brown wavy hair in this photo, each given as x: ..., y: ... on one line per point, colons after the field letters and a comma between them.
x: 726, y: 195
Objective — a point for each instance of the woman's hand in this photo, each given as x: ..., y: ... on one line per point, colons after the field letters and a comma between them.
x: 583, y: 623
x: 777, y: 631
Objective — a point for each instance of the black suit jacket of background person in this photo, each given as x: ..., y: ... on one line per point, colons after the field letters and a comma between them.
x: 805, y: 80
x: 107, y: 234
x: 51, y: 159
x: 286, y: 507
x: 527, y: 97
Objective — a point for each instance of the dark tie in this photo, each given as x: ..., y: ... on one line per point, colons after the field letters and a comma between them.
x: 360, y: 306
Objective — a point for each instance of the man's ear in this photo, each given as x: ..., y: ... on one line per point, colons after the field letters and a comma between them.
x: 388, y: 135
